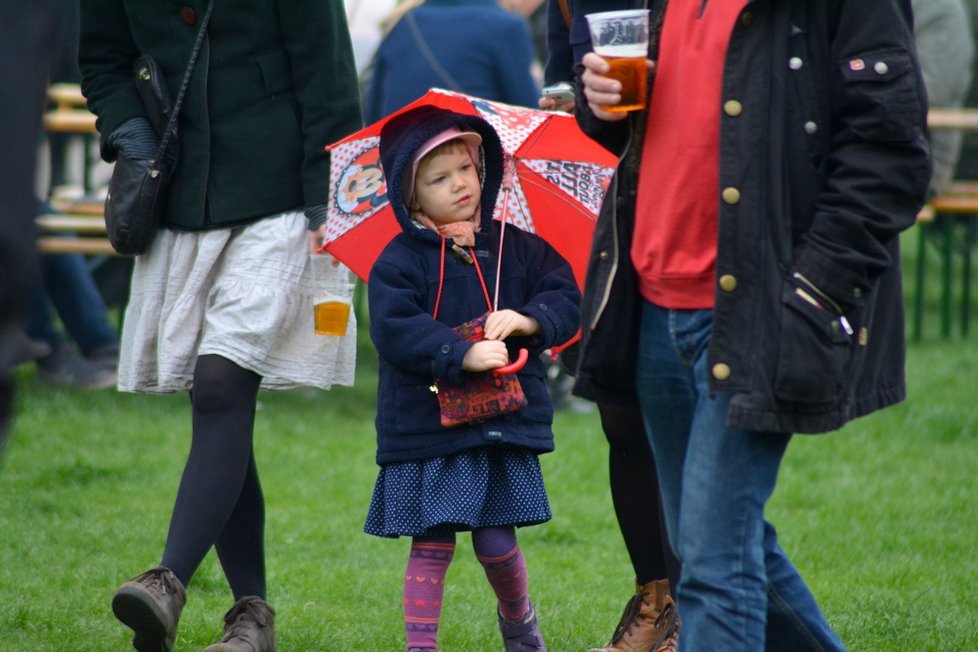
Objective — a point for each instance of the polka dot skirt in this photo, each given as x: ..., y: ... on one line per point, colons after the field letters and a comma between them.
x: 481, y: 487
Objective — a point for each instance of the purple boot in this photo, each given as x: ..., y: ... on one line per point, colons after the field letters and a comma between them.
x: 522, y: 635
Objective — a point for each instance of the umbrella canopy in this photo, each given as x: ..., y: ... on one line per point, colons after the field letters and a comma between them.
x: 559, y: 178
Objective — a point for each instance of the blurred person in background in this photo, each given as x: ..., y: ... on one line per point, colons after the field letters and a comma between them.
x: 945, y: 47
x: 27, y: 30
x: 471, y: 46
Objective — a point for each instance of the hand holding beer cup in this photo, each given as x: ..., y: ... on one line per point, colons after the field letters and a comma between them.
x: 621, y: 39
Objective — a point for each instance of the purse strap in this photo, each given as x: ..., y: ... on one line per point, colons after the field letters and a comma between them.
x: 441, y: 279
x: 171, y: 125
x: 429, y: 56
x: 565, y: 11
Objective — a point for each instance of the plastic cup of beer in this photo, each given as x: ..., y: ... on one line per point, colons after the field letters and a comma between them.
x: 622, y: 39
x: 333, y: 295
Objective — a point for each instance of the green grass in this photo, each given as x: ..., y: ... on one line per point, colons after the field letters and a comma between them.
x: 880, y: 518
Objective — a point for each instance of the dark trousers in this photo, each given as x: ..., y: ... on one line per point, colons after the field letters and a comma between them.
x: 26, y: 32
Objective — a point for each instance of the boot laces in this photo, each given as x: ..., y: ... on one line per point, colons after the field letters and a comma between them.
x: 668, y: 626
x: 241, y: 621
x: 632, y: 609
x: 157, y: 582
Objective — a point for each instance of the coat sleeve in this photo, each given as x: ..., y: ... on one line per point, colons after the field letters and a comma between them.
x: 324, y: 74
x: 404, y: 332
x: 105, y: 56
x: 879, y: 164
x: 553, y: 298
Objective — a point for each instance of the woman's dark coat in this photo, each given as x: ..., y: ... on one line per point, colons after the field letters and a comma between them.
x: 415, y: 348
x: 275, y: 82
x: 823, y: 162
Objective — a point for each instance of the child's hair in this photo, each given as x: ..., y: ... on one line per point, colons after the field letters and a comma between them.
x: 438, y: 144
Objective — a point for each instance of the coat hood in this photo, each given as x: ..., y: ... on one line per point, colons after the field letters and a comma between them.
x: 405, y: 133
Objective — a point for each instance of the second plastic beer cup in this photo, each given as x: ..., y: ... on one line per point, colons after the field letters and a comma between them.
x: 333, y: 296
x: 622, y: 39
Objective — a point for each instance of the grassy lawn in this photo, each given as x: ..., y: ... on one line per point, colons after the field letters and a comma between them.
x: 880, y: 518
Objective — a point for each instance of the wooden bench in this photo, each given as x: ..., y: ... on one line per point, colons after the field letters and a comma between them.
x: 955, y: 210
x: 70, y: 115
x: 77, y: 227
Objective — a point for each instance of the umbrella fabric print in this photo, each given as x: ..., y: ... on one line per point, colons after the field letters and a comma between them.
x: 556, y: 179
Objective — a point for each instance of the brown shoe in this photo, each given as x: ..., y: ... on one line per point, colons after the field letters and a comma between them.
x: 249, y: 626
x: 150, y: 605
x: 668, y: 625
x: 637, y: 630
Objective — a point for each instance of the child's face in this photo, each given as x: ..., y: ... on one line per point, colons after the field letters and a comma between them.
x: 446, y: 187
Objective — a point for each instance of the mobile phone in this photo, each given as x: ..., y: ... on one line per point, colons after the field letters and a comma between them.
x: 560, y: 92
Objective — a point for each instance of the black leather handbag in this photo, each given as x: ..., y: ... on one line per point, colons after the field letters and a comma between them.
x: 137, y: 190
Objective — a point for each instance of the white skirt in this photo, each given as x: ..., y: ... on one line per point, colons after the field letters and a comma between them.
x: 243, y: 293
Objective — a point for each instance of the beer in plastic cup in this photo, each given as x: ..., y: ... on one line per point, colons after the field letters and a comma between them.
x: 622, y: 39
x: 333, y: 295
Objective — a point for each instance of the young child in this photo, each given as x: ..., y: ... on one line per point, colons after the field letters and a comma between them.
x: 443, y: 172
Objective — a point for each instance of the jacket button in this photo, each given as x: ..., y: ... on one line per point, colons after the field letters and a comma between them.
x: 795, y: 63
x: 188, y: 16
x: 731, y: 195
x: 721, y: 371
x: 881, y: 68
x: 445, y: 349
x: 811, y: 128
x: 733, y: 108
x: 746, y: 19
x: 728, y: 283
x: 604, y: 255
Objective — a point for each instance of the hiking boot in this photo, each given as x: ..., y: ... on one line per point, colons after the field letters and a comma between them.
x: 150, y: 605
x: 668, y: 626
x: 105, y: 356
x: 23, y: 348
x: 637, y: 630
x: 65, y: 367
x: 522, y: 635
x: 249, y: 626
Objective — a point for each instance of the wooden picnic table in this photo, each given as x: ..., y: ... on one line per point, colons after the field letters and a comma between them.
x: 965, y: 119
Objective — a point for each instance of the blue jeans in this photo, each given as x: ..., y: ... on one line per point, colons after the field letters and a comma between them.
x: 738, y: 590
x: 71, y: 290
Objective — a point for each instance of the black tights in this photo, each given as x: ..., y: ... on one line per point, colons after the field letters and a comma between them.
x: 220, y: 501
x: 635, y: 494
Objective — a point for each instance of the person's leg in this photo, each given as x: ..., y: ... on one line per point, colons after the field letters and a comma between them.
x: 424, y: 586
x: 223, y: 397
x: 26, y: 30
x: 794, y: 620
x: 71, y: 287
x: 635, y: 494
x: 39, y: 319
x: 715, y: 482
x: 241, y: 544
x: 500, y: 555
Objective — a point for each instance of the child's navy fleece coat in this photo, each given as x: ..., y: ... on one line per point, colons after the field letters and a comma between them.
x: 415, y: 348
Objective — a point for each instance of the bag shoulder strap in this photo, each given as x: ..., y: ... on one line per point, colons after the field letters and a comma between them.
x: 429, y: 56
x: 171, y: 125
x: 565, y: 11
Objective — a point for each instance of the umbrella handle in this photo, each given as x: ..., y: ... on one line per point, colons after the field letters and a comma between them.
x: 513, y: 367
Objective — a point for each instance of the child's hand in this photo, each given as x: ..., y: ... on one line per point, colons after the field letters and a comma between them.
x: 503, y: 323
x: 485, y: 355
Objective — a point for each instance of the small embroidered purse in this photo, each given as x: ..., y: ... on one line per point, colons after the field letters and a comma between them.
x: 479, y: 395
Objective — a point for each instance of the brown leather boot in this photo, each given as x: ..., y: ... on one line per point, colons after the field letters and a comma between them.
x: 637, y: 631
x: 150, y: 605
x: 249, y: 626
